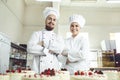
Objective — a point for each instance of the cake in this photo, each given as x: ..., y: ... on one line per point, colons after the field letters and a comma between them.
x: 119, y: 74
x: 112, y: 74
x: 40, y: 77
x: 49, y: 74
x: 18, y: 74
x: 88, y: 75
x: 28, y: 72
x: 64, y: 75
x: 4, y: 77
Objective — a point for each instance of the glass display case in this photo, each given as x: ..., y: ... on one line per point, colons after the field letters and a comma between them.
x: 18, y: 56
x: 110, y: 58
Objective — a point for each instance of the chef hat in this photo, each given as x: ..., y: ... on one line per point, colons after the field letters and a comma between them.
x: 51, y: 10
x: 77, y: 18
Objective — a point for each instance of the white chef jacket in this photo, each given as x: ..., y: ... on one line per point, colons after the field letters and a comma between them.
x: 78, y: 51
x: 42, y: 55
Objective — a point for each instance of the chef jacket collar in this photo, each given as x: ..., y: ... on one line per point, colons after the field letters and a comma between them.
x: 76, y: 37
x: 48, y: 31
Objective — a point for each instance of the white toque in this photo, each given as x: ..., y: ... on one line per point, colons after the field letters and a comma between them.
x: 77, y: 18
x: 51, y: 10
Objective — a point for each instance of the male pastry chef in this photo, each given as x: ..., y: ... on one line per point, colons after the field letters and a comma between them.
x: 45, y: 45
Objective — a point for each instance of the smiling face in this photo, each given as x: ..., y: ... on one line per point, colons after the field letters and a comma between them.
x: 50, y: 22
x: 74, y: 28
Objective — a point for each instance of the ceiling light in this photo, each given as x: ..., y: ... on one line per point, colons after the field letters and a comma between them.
x: 113, y: 1
x: 49, y: 0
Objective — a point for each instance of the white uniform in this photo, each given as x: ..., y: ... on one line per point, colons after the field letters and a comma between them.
x: 46, y: 59
x: 78, y: 51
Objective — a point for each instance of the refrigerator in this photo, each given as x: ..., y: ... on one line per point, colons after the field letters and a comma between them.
x: 4, y: 52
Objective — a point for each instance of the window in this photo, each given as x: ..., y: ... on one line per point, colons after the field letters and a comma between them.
x: 50, y: 0
x: 116, y: 37
x: 84, y: 0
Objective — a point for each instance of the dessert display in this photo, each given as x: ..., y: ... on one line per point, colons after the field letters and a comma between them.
x: 49, y: 74
x: 112, y: 74
x: 119, y: 74
x: 40, y: 77
x: 28, y: 72
x: 18, y: 74
x: 88, y: 75
x: 64, y: 75
x: 4, y: 77
x: 46, y: 75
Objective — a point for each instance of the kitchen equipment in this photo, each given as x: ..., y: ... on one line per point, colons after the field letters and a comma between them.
x: 4, y: 52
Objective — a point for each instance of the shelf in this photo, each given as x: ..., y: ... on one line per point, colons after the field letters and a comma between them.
x: 110, y: 59
x: 106, y: 68
x: 18, y: 56
x: 17, y: 59
x: 18, y: 47
x: 108, y: 53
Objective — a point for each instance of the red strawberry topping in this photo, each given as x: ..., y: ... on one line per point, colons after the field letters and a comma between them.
x: 76, y: 73
x: 82, y: 73
x: 13, y: 71
x: 90, y: 73
x: 7, y: 71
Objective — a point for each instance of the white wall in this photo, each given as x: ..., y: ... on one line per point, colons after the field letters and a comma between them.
x: 34, y: 20
x: 96, y: 33
x: 95, y: 16
x: 99, y: 22
x: 28, y: 32
x: 99, y: 33
x: 11, y: 18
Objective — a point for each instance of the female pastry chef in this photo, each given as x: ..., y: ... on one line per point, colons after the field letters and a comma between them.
x: 77, y: 46
x: 45, y: 45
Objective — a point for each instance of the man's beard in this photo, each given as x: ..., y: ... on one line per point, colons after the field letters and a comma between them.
x: 49, y: 28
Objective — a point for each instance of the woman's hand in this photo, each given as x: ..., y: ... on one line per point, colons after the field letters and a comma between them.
x: 41, y: 43
x: 65, y: 53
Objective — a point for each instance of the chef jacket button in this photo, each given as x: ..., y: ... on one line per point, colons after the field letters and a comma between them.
x: 50, y: 61
x: 40, y: 61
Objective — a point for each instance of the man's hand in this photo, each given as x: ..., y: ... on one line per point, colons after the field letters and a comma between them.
x: 41, y: 43
x: 52, y: 52
x: 67, y: 62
